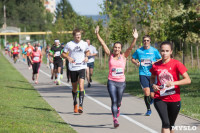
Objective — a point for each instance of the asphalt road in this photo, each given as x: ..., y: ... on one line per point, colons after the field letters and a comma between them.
x: 97, y: 117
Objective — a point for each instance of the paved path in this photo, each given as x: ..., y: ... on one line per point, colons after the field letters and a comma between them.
x: 97, y: 117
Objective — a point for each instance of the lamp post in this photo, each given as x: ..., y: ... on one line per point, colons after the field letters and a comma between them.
x: 4, y: 26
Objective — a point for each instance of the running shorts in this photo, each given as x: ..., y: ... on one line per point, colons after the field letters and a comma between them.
x: 145, y: 82
x: 77, y: 74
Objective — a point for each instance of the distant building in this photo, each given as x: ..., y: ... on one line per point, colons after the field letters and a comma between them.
x: 50, y: 5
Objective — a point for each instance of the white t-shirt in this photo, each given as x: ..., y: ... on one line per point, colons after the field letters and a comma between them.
x: 92, y: 51
x: 77, y: 52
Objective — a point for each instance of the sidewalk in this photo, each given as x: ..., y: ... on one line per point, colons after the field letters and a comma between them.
x: 97, y: 117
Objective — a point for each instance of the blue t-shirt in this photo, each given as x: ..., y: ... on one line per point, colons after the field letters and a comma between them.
x: 146, y: 57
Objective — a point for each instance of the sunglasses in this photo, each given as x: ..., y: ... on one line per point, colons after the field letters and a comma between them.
x: 146, y: 40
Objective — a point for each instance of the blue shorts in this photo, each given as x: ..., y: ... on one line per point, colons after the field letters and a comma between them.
x: 145, y: 82
x: 90, y: 65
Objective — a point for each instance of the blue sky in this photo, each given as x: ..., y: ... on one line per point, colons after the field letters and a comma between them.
x: 86, y: 7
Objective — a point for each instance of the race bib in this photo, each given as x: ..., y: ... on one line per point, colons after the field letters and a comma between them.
x: 165, y: 91
x: 36, y: 58
x: 146, y: 62
x: 15, y: 50
x: 29, y: 50
x: 117, y: 72
x: 57, y: 53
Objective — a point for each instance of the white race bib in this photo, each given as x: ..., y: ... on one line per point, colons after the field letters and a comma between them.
x: 29, y: 50
x: 15, y: 50
x: 117, y: 72
x: 165, y: 91
x: 36, y: 58
x: 57, y: 53
x: 146, y: 62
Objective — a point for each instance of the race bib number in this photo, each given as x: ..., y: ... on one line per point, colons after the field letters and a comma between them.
x: 57, y: 53
x: 117, y: 72
x: 146, y: 62
x: 15, y: 50
x: 165, y: 91
x: 36, y: 58
x: 29, y: 50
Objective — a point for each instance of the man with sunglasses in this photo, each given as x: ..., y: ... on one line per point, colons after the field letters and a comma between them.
x: 144, y: 58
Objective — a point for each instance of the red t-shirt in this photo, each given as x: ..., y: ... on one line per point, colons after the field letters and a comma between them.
x: 36, y: 56
x: 168, y: 72
x: 29, y: 50
x: 15, y: 50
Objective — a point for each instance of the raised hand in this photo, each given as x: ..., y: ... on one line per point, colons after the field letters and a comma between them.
x: 135, y: 33
x: 97, y: 30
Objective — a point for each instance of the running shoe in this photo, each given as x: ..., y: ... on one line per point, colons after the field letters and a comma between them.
x: 33, y: 78
x: 80, y: 110
x: 89, y: 85
x: 76, y: 108
x: 61, y: 76
x: 58, y: 82
x: 116, y: 123
x: 55, y: 81
x: 118, y: 111
x: 148, y: 113
x: 36, y: 82
x: 152, y: 100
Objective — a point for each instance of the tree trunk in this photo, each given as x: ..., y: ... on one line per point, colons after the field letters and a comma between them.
x: 198, y: 56
x: 191, y: 56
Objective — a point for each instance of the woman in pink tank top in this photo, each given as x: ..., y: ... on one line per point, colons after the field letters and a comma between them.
x: 36, y: 59
x: 116, y: 78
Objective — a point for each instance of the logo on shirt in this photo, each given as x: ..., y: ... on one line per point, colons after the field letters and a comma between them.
x: 165, y: 76
x: 77, y: 49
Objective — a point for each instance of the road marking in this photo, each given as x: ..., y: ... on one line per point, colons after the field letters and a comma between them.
x: 107, y: 107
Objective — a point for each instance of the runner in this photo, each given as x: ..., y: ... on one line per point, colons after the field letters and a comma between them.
x: 11, y: 52
x: 47, y: 55
x: 61, y: 76
x: 90, y: 63
x: 167, y: 91
x: 67, y: 69
x: 23, y: 51
x: 15, y: 51
x: 50, y: 58
x: 56, y: 52
x: 116, y: 78
x: 146, y: 56
x: 28, y: 50
x: 35, y: 58
x: 7, y: 49
x: 77, y: 57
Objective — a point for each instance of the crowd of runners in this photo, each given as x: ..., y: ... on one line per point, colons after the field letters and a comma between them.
x: 158, y: 71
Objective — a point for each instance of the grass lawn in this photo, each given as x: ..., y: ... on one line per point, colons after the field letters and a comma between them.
x: 190, y: 94
x: 22, y: 109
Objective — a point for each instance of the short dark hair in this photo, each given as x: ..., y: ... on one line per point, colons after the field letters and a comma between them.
x: 146, y: 36
x: 76, y: 31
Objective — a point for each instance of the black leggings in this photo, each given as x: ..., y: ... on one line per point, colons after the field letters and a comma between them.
x: 116, y: 90
x: 36, y: 67
x: 168, y: 112
x: 28, y: 61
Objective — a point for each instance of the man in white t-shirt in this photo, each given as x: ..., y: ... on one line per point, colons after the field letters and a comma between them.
x: 90, y: 63
x: 78, y: 58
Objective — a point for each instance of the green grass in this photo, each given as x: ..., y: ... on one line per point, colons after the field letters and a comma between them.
x: 190, y: 94
x: 22, y: 109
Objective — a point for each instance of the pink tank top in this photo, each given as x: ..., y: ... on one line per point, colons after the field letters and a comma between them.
x: 116, y: 69
x: 36, y: 56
